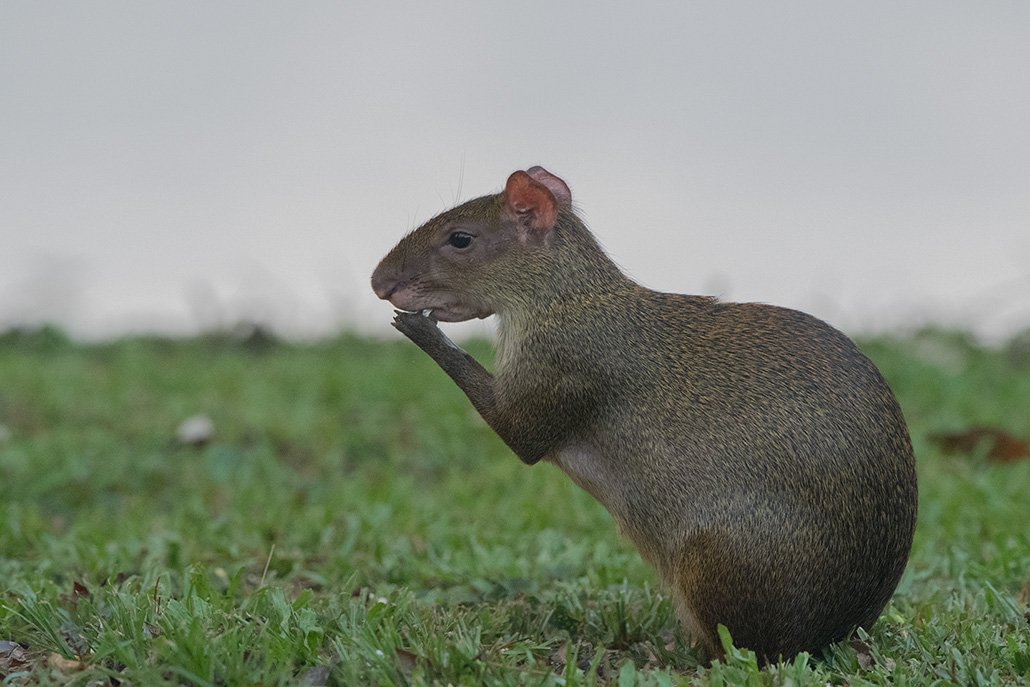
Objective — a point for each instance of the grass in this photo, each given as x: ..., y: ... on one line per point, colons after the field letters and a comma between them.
x: 352, y: 521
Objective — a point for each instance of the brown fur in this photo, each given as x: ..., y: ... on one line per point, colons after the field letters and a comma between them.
x: 755, y: 457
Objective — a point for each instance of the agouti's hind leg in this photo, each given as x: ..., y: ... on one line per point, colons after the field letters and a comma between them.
x: 700, y: 637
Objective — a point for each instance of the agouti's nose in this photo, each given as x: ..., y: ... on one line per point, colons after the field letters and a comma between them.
x: 384, y: 282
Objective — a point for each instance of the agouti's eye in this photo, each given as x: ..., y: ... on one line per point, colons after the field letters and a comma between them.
x: 460, y: 239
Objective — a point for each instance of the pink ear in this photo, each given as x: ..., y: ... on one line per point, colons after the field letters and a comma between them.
x: 555, y: 185
x: 532, y: 202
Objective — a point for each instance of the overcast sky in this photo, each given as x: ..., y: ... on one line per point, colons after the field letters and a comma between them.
x: 180, y: 165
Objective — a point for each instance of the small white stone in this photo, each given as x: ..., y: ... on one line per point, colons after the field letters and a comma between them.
x: 427, y: 312
x: 196, y: 430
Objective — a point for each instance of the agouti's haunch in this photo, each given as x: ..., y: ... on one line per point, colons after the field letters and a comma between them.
x: 754, y: 456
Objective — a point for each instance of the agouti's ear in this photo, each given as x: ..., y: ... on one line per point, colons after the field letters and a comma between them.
x: 532, y: 203
x: 555, y: 185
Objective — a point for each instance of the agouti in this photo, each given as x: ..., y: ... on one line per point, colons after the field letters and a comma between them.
x: 754, y: 456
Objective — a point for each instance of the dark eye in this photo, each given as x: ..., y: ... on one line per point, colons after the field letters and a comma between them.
x: 460, y: 239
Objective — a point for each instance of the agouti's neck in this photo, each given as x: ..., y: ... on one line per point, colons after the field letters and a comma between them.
x: 574, y: 283
x: 573, y: 266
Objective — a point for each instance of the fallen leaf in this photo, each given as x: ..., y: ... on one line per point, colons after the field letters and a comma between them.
x: 864, y: 652
x: 1003, y: 447
x: 653, y: 662
x: 65, y: 665
x: 12, y: 658
x: 559, y: 657
x: 407, y: 662
x: 79, y: 591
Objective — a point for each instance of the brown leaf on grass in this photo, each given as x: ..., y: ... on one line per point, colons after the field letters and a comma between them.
x: 865, y: 655
x: 13, y: 658
x: 79, y: 591
x: 1024, y: 594
x: 65, y: 665
x: 1002, y: 447
x: 406, y: 661
x: 558, y: 657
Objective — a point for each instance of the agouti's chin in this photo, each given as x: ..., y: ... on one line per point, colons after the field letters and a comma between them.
x: 452, y: 314
x: 441, y: 315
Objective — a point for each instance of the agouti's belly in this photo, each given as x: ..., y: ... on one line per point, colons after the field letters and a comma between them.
x: 603, y: 477
x: 584, y: 465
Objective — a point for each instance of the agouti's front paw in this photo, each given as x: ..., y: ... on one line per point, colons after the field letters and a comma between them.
x: 418, y: 327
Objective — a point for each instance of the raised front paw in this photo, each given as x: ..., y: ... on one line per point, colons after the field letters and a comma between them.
x: 420, y: 328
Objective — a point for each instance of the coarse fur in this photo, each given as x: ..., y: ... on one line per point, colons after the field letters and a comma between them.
x: 754, y: 456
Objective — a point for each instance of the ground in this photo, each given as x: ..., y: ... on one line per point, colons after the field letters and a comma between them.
x: 348, y: 519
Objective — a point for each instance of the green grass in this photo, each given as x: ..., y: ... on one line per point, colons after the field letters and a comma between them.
x: 354, y: 522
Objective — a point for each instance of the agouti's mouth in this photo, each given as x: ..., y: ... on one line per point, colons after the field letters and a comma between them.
x: 435, y: 307
x: 451, y: 314
x: 425, y: 312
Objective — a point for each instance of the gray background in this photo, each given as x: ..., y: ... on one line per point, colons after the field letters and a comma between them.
x: 175, y: 166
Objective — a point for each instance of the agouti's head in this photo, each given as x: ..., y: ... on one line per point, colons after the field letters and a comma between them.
x: 479, y: 257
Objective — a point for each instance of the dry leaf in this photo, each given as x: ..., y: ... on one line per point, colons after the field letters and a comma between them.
x: 559, y: 657
x: 864, y: 652
x: 12, y: 658
x: 65, y: 665
x: 1003, y: 447
x: 79, y: 591
x: 407, y: 662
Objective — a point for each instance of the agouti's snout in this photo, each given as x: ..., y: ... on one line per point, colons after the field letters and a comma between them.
x: 384, y: 282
